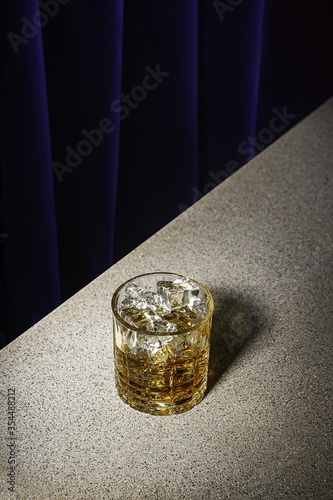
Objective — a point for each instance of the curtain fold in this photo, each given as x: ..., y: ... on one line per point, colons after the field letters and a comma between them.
x: 159, y: 135
x: 230, y: 66
x: 29, y: 254
x: 83, y: 69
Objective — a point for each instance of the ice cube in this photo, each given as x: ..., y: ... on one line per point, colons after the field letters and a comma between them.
x: 156, y: 303
x: 134, y: 296
x: 183, y: 317
x: 130, y: 339
x: 163, y: 325
x: 162, y: 347
x: 154, y: 346
x: 188, y: 285
x: 141, y: 318
x: 133, y: 292
x: 134, y: 343
x: 177, y: 345
x: 177, y: 293
x: 138, y: 343
x: 131, y: 315
x: 197, y: 307
x: 175, y: 306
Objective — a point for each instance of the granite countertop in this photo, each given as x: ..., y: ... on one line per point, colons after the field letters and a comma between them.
x: 262, y: 242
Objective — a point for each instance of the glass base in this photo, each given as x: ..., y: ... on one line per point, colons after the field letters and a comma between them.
x: 162, y: 408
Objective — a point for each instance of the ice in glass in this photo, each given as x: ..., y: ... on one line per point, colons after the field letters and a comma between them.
x: 161, y: 327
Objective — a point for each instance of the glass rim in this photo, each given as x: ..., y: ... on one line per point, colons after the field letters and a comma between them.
x: 161, y: 334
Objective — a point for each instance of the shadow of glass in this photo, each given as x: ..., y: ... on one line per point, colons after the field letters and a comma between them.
x: 236, y: 320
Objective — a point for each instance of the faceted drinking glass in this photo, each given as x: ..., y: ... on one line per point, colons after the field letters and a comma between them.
x: 161, y: 333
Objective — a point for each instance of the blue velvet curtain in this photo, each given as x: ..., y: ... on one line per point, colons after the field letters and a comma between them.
x: 115, y: 116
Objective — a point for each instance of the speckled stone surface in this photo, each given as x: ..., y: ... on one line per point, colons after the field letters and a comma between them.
x: 262, y: 242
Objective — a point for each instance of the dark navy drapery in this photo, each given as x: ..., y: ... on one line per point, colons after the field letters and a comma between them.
x: 117, y: 115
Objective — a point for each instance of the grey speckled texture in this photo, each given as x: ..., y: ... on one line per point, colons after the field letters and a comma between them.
x: 263, y: 243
